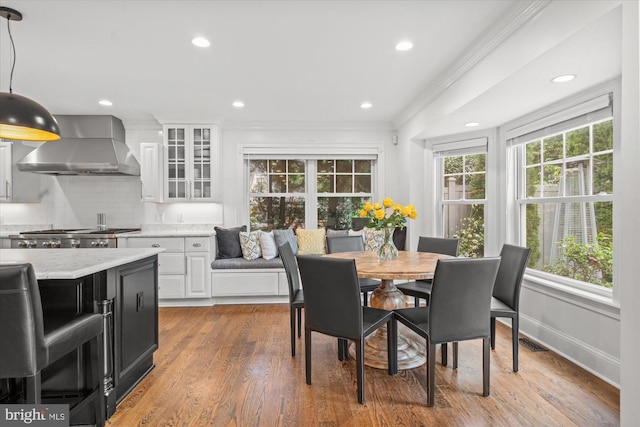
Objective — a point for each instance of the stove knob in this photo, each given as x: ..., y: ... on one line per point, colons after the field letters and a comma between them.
x: 74, y: 243
x: 47, y: 244
x: 32, y: 244
x: 23, y: 244
x: 55, y: 243
x: 103, y: 244
x: 94, y: 244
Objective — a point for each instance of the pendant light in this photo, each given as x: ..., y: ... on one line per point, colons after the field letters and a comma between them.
x: 20, y: 117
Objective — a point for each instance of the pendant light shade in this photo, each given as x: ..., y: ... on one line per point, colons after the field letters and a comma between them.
x: 21, y: 118
x: 25, y: 120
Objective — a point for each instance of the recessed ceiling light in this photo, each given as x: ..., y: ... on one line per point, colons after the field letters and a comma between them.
x: 366, y: 105
x: 238, y: 104
x: 472, y: 124
x: 105, y: 102
x: 564, y: 78
x: 404, y: 45
x: 201, y: 42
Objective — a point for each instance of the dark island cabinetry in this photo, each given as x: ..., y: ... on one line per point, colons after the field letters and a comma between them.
x: 127, y: 297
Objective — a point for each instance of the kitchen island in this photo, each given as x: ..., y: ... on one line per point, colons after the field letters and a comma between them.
x: 122, y: 284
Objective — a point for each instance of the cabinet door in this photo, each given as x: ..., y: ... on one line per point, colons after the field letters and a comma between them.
x: 198, y: 275
x: 192, y: 163
x: 5, y: 170
x: 151, y: 172
x: 176, y: 164
x: 170, y: 286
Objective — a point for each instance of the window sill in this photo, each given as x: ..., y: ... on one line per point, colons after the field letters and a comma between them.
x: 600, y: 300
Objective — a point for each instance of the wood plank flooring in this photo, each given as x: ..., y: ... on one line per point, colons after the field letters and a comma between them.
x: 231, y: 366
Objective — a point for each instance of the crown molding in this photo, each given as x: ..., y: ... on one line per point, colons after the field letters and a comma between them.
x: 499, y: 32
x: 309, y: 126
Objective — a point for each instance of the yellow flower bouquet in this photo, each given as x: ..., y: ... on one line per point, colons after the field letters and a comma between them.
x: 387, y: 214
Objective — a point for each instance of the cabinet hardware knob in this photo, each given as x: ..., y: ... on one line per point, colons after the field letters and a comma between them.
x: 155, y: 245
x: 196, y: 245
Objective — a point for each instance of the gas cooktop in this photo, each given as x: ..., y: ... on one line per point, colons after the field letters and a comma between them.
x: 74, y: 231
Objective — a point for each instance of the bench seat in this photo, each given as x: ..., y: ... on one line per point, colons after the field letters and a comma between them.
x: 241, y: 263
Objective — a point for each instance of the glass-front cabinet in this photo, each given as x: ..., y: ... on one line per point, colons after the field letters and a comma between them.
x: 191, y: 166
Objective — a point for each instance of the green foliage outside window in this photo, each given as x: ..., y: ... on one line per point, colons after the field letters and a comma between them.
x: 586, y: 262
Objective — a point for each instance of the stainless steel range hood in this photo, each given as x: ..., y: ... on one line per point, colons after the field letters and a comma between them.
x: 90, y: 145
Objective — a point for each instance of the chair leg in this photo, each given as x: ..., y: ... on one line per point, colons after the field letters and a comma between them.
x: 292, y: 318
x: 299, y: 322
x: 493, y: 333
x: 486, y: 363
x: 307, y: 354
x: 392, y: 346
x: 431, y: 373
x: 515, y: 341
x: 360, y: 369
x: 343, y: 349
x: 365, y: 298
x: 454, y: 346
x: 33, y: 389
x: 416, y: 301
x: 101, y: 411
x: 443, y: 351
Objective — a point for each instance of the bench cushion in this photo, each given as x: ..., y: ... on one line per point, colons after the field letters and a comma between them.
x: 241, y: 263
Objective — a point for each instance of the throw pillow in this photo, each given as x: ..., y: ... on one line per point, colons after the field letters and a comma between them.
x: 229, y: 242
x: 311, y: 242
x: 373, y: 239
x: 287, y: 235
x: 268, y: 245
x: 250, y: 244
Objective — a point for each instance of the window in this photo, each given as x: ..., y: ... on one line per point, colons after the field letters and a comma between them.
x: 565, y: 197
x: 343, y: 186
x: 294, y: 193
x: 462, y: 183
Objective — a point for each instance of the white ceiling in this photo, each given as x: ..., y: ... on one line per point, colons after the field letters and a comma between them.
x: 289, y: 61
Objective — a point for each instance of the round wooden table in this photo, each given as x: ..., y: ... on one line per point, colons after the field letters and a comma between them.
x: 407, y: 266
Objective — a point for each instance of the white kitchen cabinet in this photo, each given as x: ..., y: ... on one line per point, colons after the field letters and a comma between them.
x: 184, y: 268
x: 16, y: 185
x: 191, y: 166
x: 151, y: 172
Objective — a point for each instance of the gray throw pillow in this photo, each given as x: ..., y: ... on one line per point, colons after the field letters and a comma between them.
x: 228, y: 240
x: 287, y: 235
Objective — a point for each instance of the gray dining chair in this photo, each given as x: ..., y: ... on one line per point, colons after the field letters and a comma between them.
x: 296, y: 295
x: 353, y: 244
x: 506, y: 293
x: 333, y: 307
x: 456, y: 312
x: 422, y: 288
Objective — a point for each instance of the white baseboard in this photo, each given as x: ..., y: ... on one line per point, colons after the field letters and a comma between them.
x: 593, y: 360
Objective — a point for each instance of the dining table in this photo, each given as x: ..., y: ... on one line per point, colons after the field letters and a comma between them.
x: 407, y: 265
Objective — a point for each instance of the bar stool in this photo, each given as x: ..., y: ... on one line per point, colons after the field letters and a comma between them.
x: 28, y: 343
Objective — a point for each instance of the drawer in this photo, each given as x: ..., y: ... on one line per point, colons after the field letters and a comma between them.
x: 171, y: 286
x: 197, y: 244
x: 171, y: 244
x: 169, y: 263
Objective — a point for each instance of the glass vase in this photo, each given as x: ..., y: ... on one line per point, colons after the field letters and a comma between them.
x: 388, y: 249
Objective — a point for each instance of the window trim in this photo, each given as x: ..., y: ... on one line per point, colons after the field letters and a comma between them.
x: 512, y: 207
x: 250, y: 152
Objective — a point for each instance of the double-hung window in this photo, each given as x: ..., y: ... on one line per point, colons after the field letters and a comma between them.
x: 461, y: 182
x: 564, y: 197
x: 308, y: 191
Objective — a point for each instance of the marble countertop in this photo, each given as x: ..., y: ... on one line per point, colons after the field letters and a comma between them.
x: 170, y: 233
x: 73, y: 263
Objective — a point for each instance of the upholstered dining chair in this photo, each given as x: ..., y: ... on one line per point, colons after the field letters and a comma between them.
x: 333, y: 307
x: 422, y: 288
x: 30, y: 343
x: 456, y: 312
x: 296, y: 296
x: 353, y: 244
x: 506, y: 293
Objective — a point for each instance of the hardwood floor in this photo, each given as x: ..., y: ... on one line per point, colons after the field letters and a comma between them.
x: 232, y: 366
